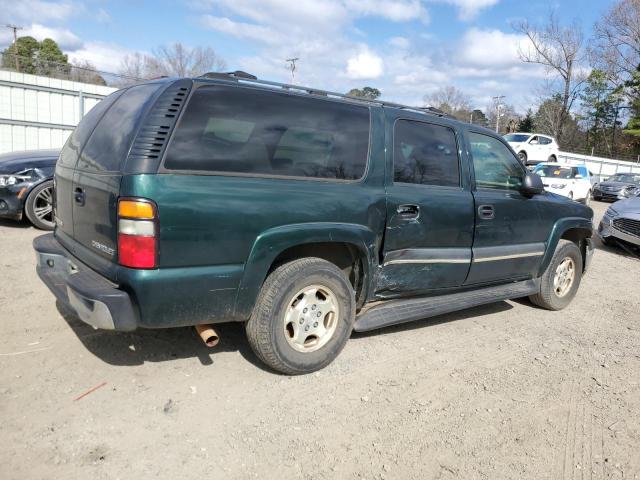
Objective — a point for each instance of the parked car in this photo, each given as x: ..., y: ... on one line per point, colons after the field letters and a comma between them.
x: 573, y: 182
x: 533, y: 148
x: 621, y: 221
x: 617, y: 187
x: 305, y: 214
x: 26, y: 186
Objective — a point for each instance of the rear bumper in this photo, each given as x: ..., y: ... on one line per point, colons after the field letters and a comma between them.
x: 96, y: 301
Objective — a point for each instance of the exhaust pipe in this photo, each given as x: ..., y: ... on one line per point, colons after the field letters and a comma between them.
x: 208, y: 335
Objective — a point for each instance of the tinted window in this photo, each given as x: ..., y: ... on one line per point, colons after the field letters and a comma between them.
x: 71, y: 149
x: 544, y: 140
x: 109, y: 143
x: 494, y: 164
x: 425, y: 153
x: 516, y: 137
x: 555, y: 171
x: 243, y: 130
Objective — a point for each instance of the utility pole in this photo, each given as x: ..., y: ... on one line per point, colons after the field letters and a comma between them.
x: 498, y: 100
x: 292, y: 66
x: 15, y: 29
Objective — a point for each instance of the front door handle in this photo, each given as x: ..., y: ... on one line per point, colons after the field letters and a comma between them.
x: 78, y: 196
x: 408, y: 211
x: 486, y: 212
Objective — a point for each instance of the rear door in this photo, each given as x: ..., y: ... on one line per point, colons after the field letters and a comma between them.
x: 66, y: 165
x: 429, y: 229
x: 96, y: 181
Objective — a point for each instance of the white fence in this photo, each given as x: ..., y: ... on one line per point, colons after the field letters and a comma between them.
x: 41, y: 112
x: 599, y: 165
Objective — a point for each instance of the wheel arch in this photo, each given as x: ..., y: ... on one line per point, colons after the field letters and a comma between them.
x: 574, y: 229
x: 349, y: 246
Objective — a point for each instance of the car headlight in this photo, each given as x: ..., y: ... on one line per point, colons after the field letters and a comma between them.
x: 558, y: 185
x: 630, y: 191
x: 20, y: 177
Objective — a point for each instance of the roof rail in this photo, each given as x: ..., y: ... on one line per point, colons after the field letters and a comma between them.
x: 240, y: 76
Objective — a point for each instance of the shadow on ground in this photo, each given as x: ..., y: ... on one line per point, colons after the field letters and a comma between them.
x: 7, y: 222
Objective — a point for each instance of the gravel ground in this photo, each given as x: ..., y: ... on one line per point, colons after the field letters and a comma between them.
x: 502, y: 391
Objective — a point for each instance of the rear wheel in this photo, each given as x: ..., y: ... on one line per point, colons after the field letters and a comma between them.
x: 561, y: 280
x: 552, y: 158
x: 523, y: 157
x: 39, y: 206
x: 587, y: 199
x: 303, y: 317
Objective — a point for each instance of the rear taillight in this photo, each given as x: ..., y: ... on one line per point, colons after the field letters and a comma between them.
x: 137, y: 233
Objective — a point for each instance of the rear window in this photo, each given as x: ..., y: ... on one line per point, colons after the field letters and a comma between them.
x: 556, y: 172
x: 71, y: 149
x: 246, y: 131
x: 109, y: 144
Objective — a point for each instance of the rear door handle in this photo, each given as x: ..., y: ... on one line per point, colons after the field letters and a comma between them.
x: 408, y: 211
x: 486, y: 212
x: 78, y: 196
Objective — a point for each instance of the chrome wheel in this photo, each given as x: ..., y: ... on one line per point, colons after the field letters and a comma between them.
x: 564, y: 277
x: 43, y: 206
x: 311, y: 318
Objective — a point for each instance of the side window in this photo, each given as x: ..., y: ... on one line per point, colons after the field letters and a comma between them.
x: 534, y: 140
x: 425, y: 153
x: 544, y: 140
x: 494, y: 164
x: 250, y: 131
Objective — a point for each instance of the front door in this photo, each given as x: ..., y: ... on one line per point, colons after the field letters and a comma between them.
x: 510, y: 235
x: 430, y: 217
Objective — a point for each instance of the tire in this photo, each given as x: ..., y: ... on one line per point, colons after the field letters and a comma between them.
x: 523, y: 157
x: 552, y: 158
x: 587, y: 199
x: 288, y: 294
x: 39, y: 206
x: 551, y: 297
x: 570, y: 196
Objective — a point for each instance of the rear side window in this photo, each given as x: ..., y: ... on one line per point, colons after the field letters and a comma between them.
x: 71, y: 150
x: 246, y: 131
x: 425, y: 153
x: 108, y: 145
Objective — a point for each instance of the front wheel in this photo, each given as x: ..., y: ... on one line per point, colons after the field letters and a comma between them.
x: 303, y: 317
x: 587, y: 199
x: 523, y: 157
x: 561, y: 279
x: 39, y: 206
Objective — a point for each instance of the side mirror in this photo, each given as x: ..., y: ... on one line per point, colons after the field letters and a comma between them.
x: 532, y: 185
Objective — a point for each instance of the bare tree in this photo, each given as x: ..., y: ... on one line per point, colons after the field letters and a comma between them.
x: 560, y: 49
x: 84, y: 71
x: 452, y: 101
x: 175, y: 60
x: 178, y: 60
x: 617, y: 36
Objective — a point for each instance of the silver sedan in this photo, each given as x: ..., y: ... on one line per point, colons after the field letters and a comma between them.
x: 622, y: 221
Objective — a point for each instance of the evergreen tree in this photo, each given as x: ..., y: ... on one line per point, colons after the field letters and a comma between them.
x: 38, y: 58
x: 527, y: 124
x: 366, y: 92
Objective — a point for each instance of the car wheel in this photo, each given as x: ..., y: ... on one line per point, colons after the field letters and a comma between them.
x: 523, y: 156
x: 303, y: 317
x: 561, y: 279
x: 552, y: 158
x: 587, y: 199
x: 570, y: 196
x: 39, y: 206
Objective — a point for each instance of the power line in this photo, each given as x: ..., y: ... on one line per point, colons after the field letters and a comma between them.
x: 15, y: 29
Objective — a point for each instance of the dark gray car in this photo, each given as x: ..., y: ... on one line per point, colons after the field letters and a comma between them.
x: 617, y: 187
x: 622, y: 222
x: 26, y: 186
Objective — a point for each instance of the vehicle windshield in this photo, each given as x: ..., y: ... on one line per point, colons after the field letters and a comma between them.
x: 517, y: 137
x: 624, y: 178
x: 554, y: 171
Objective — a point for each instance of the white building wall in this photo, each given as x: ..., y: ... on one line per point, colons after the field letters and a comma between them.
x: 41, y: 112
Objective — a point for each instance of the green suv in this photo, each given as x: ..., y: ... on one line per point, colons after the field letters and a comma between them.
x: 304, y: 214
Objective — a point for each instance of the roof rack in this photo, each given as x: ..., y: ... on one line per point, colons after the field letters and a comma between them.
x: 240, y: 76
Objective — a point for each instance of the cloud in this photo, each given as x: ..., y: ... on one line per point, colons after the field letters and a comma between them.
x: 250, y: 31
x: 490, y: 48
x: 400, y: 42
x: 66, y: 40
x: 365, y: 65
x: 105, y: 56
x: 468, y: 9
x: 27, y: 11
x: 395, y: 10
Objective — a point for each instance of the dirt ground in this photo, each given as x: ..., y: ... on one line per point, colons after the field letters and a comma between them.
x: 505, y: 391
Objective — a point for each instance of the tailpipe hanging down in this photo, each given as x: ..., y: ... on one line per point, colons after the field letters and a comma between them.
x: 208, y: 335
